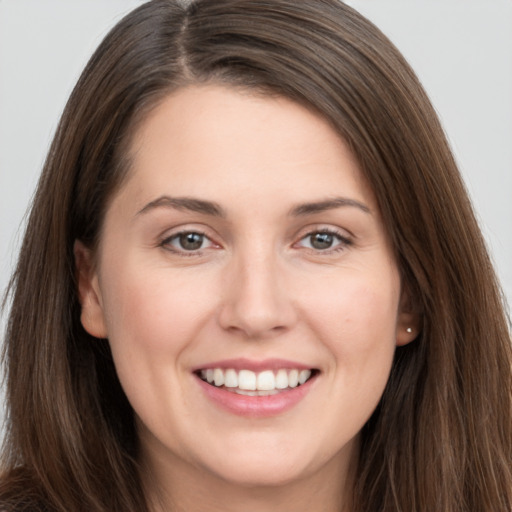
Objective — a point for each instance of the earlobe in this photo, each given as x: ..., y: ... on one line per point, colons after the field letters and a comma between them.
x: 405, y: 335
x: 408, y: 323
x: 89, y: 295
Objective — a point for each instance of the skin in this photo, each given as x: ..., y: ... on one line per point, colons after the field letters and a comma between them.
x: 257, y: 288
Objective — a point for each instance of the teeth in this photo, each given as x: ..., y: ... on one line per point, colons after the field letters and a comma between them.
x: 293, y: 378
x: 304, y: 376
x: 266, y: 381
x: 256, y: 393
x: 218, y: 377
x: 247, y: 382
x: 231, y: 379
x: 282, y: 379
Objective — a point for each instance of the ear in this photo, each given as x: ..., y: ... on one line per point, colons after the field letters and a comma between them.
x: 89, y: 295
x: 408, y: 325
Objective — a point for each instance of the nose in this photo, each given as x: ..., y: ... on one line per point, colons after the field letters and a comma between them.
x: 255, y: 300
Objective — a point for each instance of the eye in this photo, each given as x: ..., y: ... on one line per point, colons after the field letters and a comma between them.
x: 324, y: 240
x: 187, y: 241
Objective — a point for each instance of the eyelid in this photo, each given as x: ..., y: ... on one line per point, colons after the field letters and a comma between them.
x: 169, y: 235
x: 345, y: 239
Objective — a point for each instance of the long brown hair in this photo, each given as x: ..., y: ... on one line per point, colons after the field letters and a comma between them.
x: 441, y: 437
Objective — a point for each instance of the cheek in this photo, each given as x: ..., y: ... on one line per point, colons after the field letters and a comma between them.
x: 152, y: 317
x: 356, y: 321
x: 368, y: 316
x: 356, y: 310
x: 154, y: 312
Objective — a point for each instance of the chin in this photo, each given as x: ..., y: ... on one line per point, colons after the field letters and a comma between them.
x: 275, y: 474
x: 266, y: 467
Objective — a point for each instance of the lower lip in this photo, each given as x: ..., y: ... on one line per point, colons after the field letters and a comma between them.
x: 256, y: 406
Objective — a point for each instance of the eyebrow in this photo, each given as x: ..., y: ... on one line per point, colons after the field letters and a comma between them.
x: 185, y: 203
x: 215, y: 210
x: 329, y: 204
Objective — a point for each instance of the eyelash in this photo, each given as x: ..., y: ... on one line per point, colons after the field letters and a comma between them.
x: 166, y: 243
x: 343, y: 242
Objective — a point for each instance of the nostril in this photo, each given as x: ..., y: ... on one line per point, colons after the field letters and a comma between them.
x: 256, y: 305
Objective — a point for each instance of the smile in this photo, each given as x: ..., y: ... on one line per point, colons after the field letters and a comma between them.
x: 250, y: 383
x: 256, y: 389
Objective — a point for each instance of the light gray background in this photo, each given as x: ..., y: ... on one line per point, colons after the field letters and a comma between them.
x: 461, y: 50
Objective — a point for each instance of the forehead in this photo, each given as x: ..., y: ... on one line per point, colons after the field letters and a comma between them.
x: 213, y: 140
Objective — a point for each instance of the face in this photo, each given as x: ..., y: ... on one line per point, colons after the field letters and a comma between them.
x: 247, y: 288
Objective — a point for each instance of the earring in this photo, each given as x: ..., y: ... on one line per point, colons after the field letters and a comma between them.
x: 409, y: 329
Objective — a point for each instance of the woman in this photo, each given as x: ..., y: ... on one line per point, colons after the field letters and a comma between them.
x: 252, y: 280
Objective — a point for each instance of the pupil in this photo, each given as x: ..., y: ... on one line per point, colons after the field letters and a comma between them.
x: 191, y: 241
x: 321, y: 240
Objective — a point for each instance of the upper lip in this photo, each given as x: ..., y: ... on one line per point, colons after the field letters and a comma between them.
x: 254, y: 365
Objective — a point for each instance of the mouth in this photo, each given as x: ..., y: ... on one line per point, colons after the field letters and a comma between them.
x: 249, y: 383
